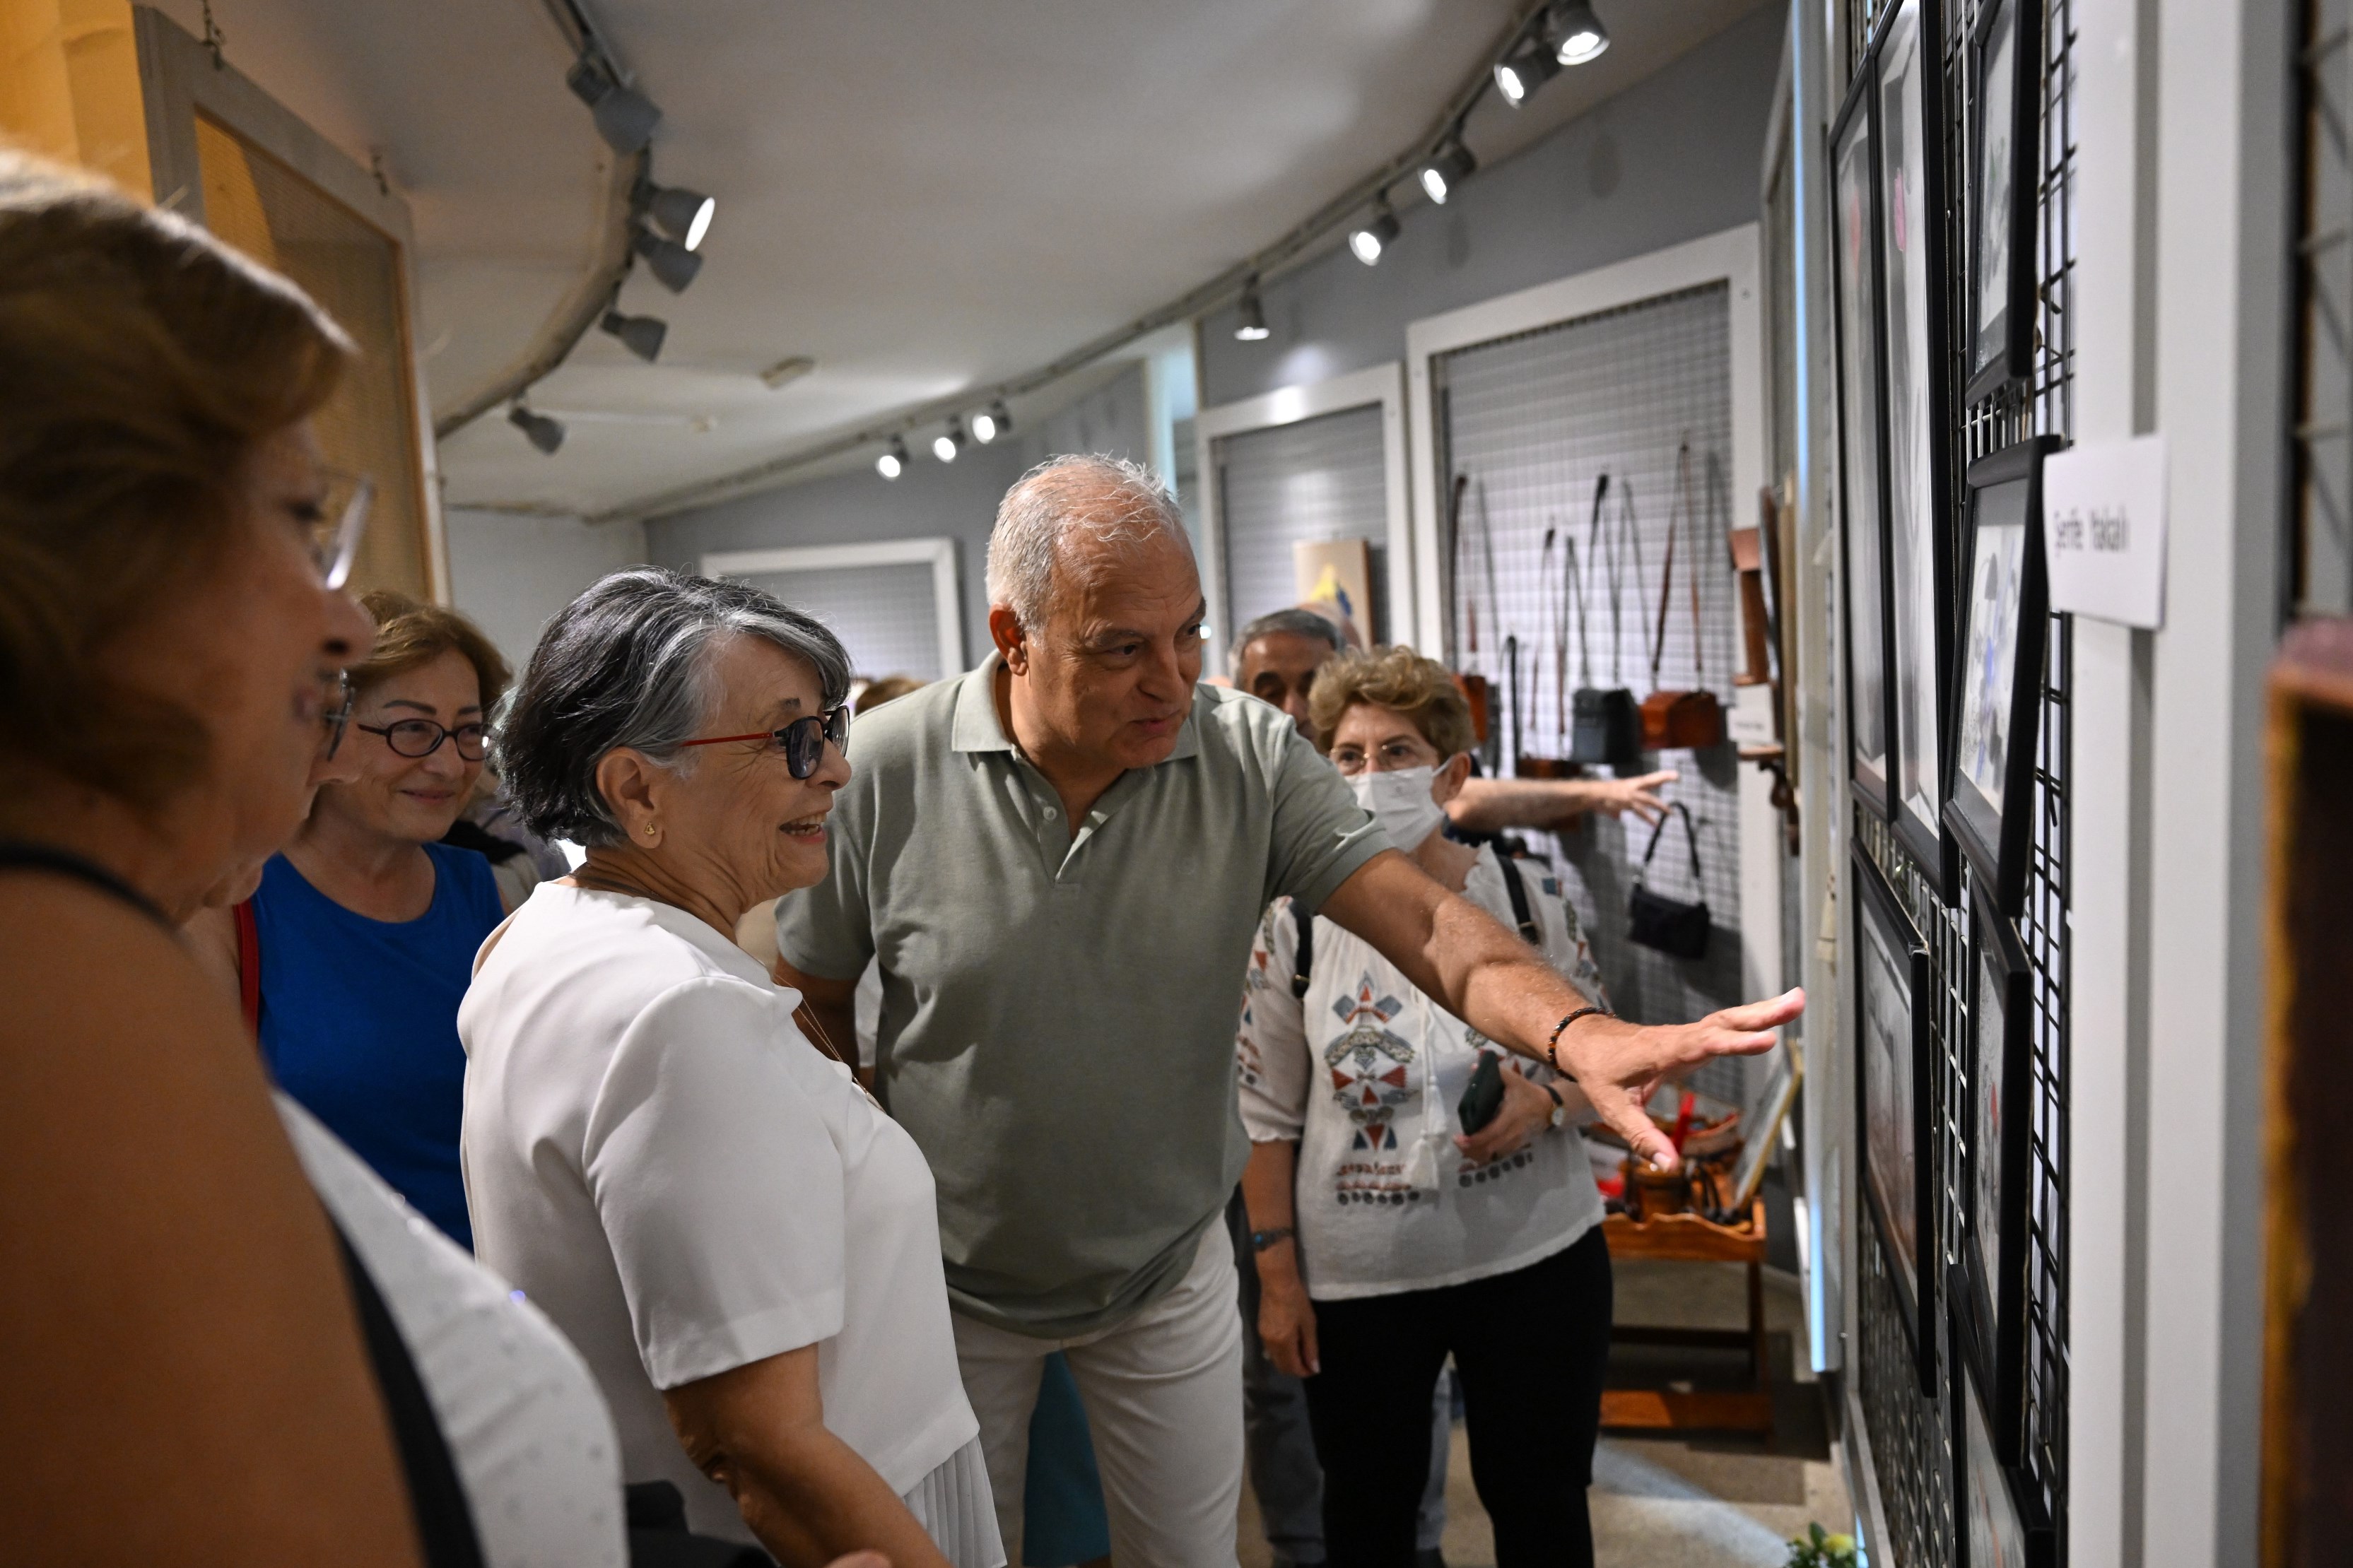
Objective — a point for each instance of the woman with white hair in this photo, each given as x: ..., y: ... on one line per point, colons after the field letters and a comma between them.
x: 742, y: 1244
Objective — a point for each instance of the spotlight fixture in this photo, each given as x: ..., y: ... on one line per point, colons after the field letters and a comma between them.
x: 641, y: 335
x: 1576, y: 33
x: 893, y: 461
x: 949, y: 442
x: 1251, y: 328
x: 1444, y: 173
x: 625, y: 118
x: 1376, y: 237
x: 671, y: 262
x: 683, y: 214
x: 991, y: 422
x: 784, y: 372
x: 543, y: 432
x: 1518, y: 78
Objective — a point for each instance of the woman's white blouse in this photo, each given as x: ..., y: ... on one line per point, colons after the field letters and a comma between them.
x: 527, y: 1431
x: 685, y: 1185
x: 1365, y: 1073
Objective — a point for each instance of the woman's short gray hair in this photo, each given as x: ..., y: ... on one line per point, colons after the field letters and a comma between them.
x: 1104, y: 498
x: 629, y: 663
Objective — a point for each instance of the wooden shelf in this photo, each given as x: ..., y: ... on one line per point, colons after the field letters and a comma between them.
x: 1694, y: 1238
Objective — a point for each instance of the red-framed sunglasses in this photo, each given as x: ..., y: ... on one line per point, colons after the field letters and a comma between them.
x: 802, y: 742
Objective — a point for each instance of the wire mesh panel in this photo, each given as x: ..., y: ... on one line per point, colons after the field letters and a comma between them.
x: 1531, y: 423
x: 2323, y: 432
x: 886, y: 616
x: 1910, y: 1435
x: 1309, y: 482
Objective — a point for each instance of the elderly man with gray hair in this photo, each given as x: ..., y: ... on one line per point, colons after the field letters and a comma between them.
x: 1058, y: 859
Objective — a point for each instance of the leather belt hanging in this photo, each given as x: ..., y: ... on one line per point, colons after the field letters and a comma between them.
x: 1676, y: 719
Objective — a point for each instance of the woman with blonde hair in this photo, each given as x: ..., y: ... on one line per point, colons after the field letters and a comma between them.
x: 1412, y: 1196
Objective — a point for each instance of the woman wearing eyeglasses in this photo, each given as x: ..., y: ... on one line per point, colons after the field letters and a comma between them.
x: 744, y: 1248
x: 364, y: 929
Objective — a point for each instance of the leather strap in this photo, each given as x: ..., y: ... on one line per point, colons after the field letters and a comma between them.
x: 249, y: 965
x: 1691, y: 835
x: 1675, y: 514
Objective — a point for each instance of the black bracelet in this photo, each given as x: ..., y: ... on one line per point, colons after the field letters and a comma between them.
x: 1552, y: 1046
x: 1262, y: 1239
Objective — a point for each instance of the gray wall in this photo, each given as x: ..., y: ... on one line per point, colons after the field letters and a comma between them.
x: 1673, y: 157
x: 511, y: 573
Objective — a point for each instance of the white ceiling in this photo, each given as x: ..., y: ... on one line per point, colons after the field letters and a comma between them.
x: 924, y: 196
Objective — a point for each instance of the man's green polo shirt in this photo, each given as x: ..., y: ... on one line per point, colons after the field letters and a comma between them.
x: 1058, y: 1013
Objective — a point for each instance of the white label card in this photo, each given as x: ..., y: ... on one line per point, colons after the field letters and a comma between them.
x: 2104, y: 531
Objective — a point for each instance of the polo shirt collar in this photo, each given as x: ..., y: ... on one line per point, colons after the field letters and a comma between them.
x: 976, y: 729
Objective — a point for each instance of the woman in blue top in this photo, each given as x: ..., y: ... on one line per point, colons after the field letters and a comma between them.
x: 366, y: 926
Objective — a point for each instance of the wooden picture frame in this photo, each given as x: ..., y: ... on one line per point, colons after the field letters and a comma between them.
x: 1863, y: 433
x: 1989, y: 1276
x: 1998, y: 681
x: 1999, y: 1519
x: 1892, y: 1082
x: 1906, y: 69
x: 2005, y: 62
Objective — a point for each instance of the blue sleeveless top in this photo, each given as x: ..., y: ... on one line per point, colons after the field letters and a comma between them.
x: 359, y: 1021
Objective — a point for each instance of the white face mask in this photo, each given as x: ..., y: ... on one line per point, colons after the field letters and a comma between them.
x: 1400, y: 802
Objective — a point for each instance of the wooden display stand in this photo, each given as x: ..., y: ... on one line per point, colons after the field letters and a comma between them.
x: 1691, y: 1239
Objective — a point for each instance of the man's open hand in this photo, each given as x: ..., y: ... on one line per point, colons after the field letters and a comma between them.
x: 1612, y: 1060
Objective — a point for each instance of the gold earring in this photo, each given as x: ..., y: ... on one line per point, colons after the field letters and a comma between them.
x: 649, y: 827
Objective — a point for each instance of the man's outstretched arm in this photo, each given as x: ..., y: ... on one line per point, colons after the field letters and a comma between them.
x: 1503, y: 987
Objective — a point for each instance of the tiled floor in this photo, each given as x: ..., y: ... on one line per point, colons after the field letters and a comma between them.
x: 1696, y: 1502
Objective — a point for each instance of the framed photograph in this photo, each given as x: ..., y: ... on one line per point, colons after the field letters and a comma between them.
x: 1862, y: 506
x: 2006, y: 56
x: 1999, y: 1519
x: 1990, y: 1280
x: 1891, y: 1009
x: 1989, y: 797
x: 1908, y: 72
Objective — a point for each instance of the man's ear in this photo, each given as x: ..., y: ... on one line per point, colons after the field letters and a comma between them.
x: 1012, y: 642
x: 1452, y: 776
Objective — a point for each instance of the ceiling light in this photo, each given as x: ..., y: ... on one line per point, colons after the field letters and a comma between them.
x: 1518, y: 78
x: 544, y: 433
x: 625, y: 118
x: 1444, y: 175
x: 786, y: 370
x: 991, y: 422
x: 1376, y: 237
x: 641, y: 335
x: 893, y: 461
x: 681, y: 213
x: 672, y: 263
x: 1251, y: 328
x: 949, y: 442
x: 1576, y: 33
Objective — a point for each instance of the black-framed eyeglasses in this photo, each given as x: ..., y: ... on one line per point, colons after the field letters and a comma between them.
x: 423, y: 737
x: 337, y: 717
x: 802, y: 742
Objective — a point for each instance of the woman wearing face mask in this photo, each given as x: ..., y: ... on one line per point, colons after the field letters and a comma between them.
x: 1387, y: 1237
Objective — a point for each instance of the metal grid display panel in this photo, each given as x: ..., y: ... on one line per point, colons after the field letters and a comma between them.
x: 886, y: 616
x: 1316, y: 481
x: 2323, y: 551
x: 1533, y: 421
x: 1910, y: 1436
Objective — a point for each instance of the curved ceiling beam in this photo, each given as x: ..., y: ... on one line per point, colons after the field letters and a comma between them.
x: 574, y: 315
x: 1291, y: 248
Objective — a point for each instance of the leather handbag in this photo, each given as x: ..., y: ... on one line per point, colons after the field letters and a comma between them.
x: 1672, y: 926
x: 1674, y: 719
x: 1604, y: 726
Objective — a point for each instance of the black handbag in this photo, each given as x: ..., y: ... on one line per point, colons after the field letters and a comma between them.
x: 1669, y: 925
x: 1605, y: 723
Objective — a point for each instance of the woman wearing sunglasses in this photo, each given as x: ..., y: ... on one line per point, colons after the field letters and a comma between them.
x: 364, y: 929
x: 744, y: 1248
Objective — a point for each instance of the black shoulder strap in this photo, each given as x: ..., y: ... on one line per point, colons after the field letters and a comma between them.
x: 444, y: 1522
x: 1303, y: 960
x: 1690, y: 836
x: 1516, y: 887
x: 16, y: 854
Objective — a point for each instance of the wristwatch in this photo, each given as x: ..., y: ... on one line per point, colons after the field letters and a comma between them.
x: 1559, y: 1111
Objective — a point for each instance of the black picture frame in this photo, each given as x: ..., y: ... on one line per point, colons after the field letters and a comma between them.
x: 1861, y: 351
x: 1892, y: 1083
x: 1989, y: 1274
x: 2005, y: 620
x: 1999, y: 1519
x: 2005, y: 62
x: 1906, y: 69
